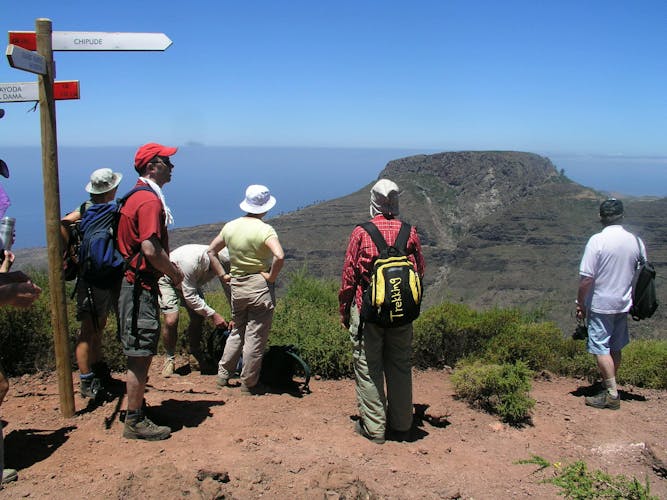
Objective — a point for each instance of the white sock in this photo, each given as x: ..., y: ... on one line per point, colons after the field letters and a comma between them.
x: 610, y: 384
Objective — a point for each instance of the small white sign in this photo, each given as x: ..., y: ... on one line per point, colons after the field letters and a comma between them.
x: 26, y: 60
x: 19, y: 92
x: 84, y: 40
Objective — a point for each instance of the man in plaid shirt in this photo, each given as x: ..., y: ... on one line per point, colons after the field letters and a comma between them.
x: 379, y: 352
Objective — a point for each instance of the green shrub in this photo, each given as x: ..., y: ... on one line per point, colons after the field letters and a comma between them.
x: 539, y: 345
x: 26, y: 341
x: 644, y: 364
x: 307, y: 317
x: 577, y: 482
x: 500, y: 389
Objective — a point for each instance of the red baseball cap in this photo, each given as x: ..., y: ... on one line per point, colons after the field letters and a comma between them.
x: 149, y: 151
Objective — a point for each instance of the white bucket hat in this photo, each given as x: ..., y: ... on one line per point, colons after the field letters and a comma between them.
x: 258, y: 200
x: 103, y: 180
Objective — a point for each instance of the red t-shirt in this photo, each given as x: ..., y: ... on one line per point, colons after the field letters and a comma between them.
x: 361, y: 252
x: 141, y: 217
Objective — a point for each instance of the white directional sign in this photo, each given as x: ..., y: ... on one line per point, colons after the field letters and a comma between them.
x: 94, y: 40
x: 26, y: 60
x: 28, y: 91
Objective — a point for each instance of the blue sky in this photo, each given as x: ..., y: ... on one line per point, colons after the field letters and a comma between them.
x: 582, y: 82
x: 555, y: 78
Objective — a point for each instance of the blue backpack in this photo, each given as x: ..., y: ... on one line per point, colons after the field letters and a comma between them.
x: 100, y: 262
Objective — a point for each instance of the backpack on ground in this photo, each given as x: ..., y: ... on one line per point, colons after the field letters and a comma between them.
x: 644, y: 301
x: 280, y: 364
x: 393, y: 296
x: 100, y: 262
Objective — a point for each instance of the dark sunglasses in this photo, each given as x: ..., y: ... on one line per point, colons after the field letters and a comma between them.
x: 165, y: 160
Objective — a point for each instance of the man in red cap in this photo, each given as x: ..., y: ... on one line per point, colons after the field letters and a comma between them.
x: 144, y: 243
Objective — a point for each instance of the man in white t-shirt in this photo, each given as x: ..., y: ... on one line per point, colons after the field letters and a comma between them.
x: 605, y: 296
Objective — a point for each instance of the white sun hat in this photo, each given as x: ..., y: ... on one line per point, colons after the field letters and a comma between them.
x: 103, y: 180
x: 258, y: 200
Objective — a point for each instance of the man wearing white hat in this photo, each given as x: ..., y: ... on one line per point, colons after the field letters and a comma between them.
x: 92, y: 303
x: 256, y: 257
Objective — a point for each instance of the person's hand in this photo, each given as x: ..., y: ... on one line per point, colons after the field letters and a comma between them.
x: 219, y: 321
x: 22, y: 294
x: 7, y: 262
x: 266, y: 276
x: 345, y: 321
x: 580, y: 313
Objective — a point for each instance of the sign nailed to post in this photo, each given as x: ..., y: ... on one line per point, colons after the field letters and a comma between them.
x: 28, y: 91
x: 93, y: 40
x: 26, y: 60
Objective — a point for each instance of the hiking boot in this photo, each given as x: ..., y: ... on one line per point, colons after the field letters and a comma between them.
x: 604, y: 400
x: 91, y: 388
x: 169, y: 367
x: 359, y: 429
x: 103, y: 372
x: 255, y: 390
x: 222, y: 381
x: 9, y: 475
x: 144, y: 428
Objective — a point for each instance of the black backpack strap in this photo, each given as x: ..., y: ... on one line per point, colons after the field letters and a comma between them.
x: 401, y: 243
x: 120, y: 202
x: 641, y: 260
x: 375, y: 235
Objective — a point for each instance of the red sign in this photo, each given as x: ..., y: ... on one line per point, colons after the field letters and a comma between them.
x: 25, y: 39
x: 66, y: 90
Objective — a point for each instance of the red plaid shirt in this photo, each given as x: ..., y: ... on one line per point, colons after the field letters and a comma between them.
x: 361, y: 252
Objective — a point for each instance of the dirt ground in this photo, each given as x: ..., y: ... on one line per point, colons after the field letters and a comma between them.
x: 226, y: 445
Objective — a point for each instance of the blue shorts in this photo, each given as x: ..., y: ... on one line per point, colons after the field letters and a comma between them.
x: 607, y: 332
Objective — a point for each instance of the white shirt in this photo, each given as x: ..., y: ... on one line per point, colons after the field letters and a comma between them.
x: 610, y: 258
x: 194, y: 263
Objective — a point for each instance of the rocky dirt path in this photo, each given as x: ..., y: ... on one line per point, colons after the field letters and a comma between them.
x: 226, y: 445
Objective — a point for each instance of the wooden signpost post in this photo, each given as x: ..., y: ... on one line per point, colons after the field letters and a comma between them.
x: 21, y: 56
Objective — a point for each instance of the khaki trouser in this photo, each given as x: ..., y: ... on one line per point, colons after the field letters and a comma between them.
x: 382, y: 353
x: 253, y: 302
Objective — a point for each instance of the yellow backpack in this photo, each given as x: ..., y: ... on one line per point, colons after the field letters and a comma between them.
x: 393, y: 296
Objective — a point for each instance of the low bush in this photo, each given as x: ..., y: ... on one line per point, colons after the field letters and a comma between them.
x: 446, y: 333
x: 538, y: 345
x: 500, y: 389
x: 644, y: 364
x: 26, y: 340
x: 577, y: 482
x: 307, y: 317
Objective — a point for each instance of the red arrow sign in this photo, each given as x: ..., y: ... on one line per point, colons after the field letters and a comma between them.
x: 66, y: 90
x: 25, y: 39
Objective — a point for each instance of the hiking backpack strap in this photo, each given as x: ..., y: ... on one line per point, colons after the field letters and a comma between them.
x: 641, y: 261
x: 304, y: 366
x: 401, y: 243
x: 375, y: 235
